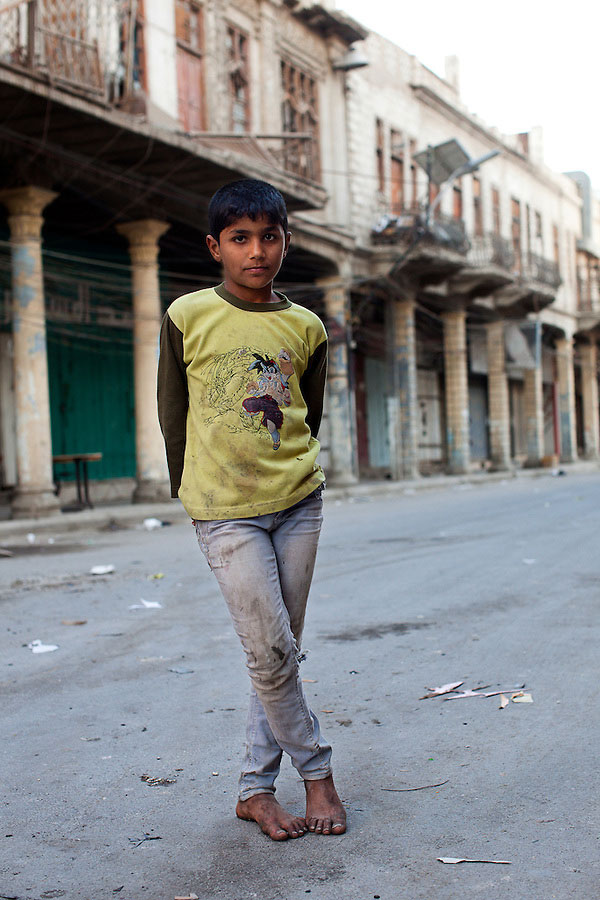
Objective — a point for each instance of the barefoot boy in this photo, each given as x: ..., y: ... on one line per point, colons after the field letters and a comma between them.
x: 240, y: 394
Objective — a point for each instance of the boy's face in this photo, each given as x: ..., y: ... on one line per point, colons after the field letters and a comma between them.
x: 251, y: 253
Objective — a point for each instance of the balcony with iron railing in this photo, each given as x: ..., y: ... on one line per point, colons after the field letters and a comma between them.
x: 415, y: 227
x: 544, y: 271
x: 491, y: 250
x: 81, y: 46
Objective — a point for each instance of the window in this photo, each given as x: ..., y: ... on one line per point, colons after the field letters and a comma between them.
x: 434, y: 191
x: 538, y: 237
x: 528, y: 229
x: 457, y: 201
x: 556, y: 245
x: 379, y: 155
x: 477, y: 210
x: 496, y: 220
x: 414, y: 189
x: 515, y: 208
x: 300, y: 112
x: 236, y: 44
x: 397, y: 175
x: 190, y: 71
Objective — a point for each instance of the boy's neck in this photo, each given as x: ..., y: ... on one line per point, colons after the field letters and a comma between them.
x: 264, y: 294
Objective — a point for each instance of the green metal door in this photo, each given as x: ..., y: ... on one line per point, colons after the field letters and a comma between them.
x: 92, y: 400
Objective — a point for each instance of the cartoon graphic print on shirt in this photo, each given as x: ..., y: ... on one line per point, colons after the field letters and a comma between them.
x: 243, y: 402
x: 270, y: 392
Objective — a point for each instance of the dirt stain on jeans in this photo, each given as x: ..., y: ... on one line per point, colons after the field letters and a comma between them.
x: 278, y: 651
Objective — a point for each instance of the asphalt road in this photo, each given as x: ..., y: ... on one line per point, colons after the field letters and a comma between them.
x: 493, y: 585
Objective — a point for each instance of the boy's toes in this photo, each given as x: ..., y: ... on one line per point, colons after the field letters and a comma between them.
x: 338, y: 828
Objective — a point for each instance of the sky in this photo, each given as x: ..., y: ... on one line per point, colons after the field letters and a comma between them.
x: 522, y: 64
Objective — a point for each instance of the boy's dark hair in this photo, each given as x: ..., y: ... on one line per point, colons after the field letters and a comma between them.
x: 248, y: 197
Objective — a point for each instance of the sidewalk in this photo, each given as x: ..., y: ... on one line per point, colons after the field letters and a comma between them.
x: 130, y: 514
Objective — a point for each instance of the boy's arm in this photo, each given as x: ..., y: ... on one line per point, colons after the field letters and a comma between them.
x: 172, y: 395
x: 312, y: 385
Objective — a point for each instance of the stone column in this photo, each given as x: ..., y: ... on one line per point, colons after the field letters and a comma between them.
x: 457, y: 390
x: 589, y: 389
x: 340, y: 400
x: 534, y: 415
x: 566, y: 399
x: 499, y: 409
x: 34, y: 494
x: 405, y: 461
x: 151, y: 468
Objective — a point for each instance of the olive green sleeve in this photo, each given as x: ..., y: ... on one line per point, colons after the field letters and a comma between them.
x: 312, y: 386
x: 173, y: 400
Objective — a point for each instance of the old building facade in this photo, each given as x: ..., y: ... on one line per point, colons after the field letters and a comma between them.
x: 472, y: 344
x: 119, y: 120
x: 461, y: 316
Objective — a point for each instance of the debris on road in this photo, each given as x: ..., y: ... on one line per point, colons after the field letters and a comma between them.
x: 450, y: 692
x: 155, y: 782
x: 146, y: 604
x: 5, y: 552
x: 151, y: 523
x: 187, y: 897
x: 156, y: 577
x: 444, y: 689
x: 147, y: 837
x: 421, y: 788
x: 529, y: 562
x: 180, y: 670
x: 74, y: 622
x: 31, y: 538
x: 38, y: 647
x: 452, y: 860
x: 102, y: 570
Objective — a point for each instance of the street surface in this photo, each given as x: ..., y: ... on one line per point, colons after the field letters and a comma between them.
x: 495, y: 585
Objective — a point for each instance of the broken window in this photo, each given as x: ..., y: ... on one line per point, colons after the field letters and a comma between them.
x: 239, y: 81
x: 300, y: 113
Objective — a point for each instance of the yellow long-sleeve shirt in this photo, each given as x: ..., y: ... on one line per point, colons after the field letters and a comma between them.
x: 240, y: 398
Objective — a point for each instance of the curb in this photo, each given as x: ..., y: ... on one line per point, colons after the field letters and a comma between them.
x: 129, y: 515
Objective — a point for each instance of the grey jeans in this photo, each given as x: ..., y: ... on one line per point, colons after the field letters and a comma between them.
x: 264, y: 567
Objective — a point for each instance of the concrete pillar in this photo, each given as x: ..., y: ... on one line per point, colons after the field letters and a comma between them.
x: 534, y: 415
x: 566, y: 399
x: 151, y: 469
x: 34, y: 493
x: 405, y: 461
x: 498, y: 405
x: 589, y: 389
x: 340, y: 400
x: 456, y: 389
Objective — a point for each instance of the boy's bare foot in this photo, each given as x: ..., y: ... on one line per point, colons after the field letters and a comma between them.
x: 324, y: 811
x: 278, y: 824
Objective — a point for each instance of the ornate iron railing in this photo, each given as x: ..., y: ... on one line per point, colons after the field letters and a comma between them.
x: 536, y: 268
x: 491, y: 249
x: 81, y: 44
x: 412, y: 227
